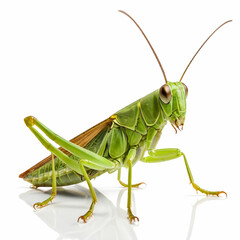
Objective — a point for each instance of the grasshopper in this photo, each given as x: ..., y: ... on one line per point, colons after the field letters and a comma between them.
x: 119, y: 141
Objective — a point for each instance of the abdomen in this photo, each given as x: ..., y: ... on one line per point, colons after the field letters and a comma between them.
x: 42, y: 175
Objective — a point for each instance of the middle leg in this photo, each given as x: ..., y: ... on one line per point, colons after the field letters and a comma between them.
x: 129, y: 159
x: 124, y: 184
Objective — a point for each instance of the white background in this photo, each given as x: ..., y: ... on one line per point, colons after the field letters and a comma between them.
x: 72, y: 64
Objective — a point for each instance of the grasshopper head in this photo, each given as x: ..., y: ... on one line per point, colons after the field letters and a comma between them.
x: 173, y: 95
x: 173, y: 102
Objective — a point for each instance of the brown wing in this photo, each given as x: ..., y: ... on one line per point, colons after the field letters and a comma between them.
x: 81, y: 140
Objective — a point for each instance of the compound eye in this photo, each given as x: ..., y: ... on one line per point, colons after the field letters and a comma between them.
x: 186, y: 89
x: 165, y: 93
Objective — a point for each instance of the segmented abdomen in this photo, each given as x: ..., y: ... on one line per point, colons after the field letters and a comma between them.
x: 42, y: 176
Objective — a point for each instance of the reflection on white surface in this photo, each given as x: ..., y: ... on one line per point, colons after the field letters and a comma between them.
x: 193, y: 215
x: 108, y: 222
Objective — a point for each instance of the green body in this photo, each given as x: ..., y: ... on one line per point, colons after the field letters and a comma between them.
x: 139, y: 125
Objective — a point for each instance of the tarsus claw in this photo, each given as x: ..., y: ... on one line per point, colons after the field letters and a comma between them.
x: 85, y: 217
x: 37, y: 205
x: 138, y: 184
x: 222, y: 192
x: 133, y: 219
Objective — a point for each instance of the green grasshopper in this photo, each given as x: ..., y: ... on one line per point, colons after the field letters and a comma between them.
x: 119, y: 141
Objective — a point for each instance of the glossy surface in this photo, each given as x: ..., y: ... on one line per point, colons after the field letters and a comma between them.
x: 165, y: 93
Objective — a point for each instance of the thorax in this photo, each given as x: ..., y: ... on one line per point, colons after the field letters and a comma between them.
x: 140, y: 124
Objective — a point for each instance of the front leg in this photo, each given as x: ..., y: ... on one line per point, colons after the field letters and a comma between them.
x: 129, y: 159
x: 161, y: 155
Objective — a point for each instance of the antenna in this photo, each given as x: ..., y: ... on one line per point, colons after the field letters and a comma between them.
x: 148, y: 43
x: 201, y: 48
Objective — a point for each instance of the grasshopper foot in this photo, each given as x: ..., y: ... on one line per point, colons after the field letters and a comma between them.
x: 86, y: 216
x: 134, y: 185
x: 39, y: 205
x: 131, y: 217
x: 221, y: 193
x: 138, y: 184
x: 208, y: 193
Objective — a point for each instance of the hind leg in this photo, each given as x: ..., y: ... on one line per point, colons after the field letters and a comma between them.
x: 54, y: 189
